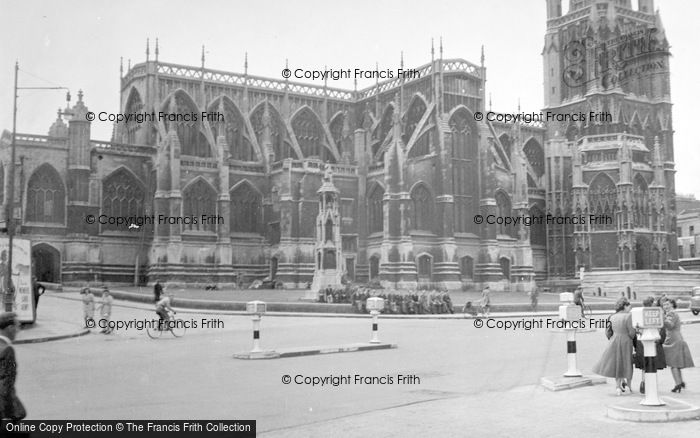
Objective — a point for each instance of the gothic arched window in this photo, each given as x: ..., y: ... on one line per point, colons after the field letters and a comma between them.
x: 122, y: 196
x: 46, y: 196
x: 423, y: 210
x: 234, y: 129
x: 266, y: 115
x: 199, y: 199
x: 535, y: 156
x: 412, y: 118
x: 641, y: 203
x: 189, y: 132
x: 602, y: 200
x: 336, y: 128
x: 310, y: 136
x: 246, y: 209
x: 506, y: 142
x: 133, y: 105
x: 504, y: 210
x: 375, y: 209
x: 383, y: 129
x: 464, y: 170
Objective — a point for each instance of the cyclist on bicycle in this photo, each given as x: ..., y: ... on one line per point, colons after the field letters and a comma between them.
x: 578, y: 299
x: 163, y: 307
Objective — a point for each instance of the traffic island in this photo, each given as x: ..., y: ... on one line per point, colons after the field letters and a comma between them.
x: 258, y: 308
x: 562, y: 383
x: 310, y: 351
x: 271, y: 354
x: 673, y: 410
x: 570, y: 318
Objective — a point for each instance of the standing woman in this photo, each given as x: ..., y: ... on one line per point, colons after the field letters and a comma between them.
x: 486, y: 300
x: 88, y: 306
x: 106, y: 310
x: 675, y: 348
x: 616, y: 361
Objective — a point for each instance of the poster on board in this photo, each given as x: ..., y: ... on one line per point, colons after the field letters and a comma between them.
x: 21, y: 276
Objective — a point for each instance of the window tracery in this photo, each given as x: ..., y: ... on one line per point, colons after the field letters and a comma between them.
x: 199, y: 199
x: 422, y: 208
x: 189, y: 132
x: 310, y: 136
x: 464, y: 171
x: 246, y: 209
x: 602, y: 200
x: 46, y: 196
x: 122, y: 196
x: 375, y: 209
x: 535, y: 156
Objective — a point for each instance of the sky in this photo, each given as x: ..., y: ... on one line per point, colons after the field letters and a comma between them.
x: 78, y: 44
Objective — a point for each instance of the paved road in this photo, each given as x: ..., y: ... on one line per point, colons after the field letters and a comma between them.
x: 128, y: 375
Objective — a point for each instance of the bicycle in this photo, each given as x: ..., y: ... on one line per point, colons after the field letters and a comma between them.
x: 175, y: 326
x: 586, y: 311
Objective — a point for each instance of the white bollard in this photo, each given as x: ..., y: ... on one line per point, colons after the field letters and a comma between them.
x: 375, y: 327
x: 649, y: 319
x: 651, y: 388
x: 570, y: 312
x: 572, y: 370
x: 375, y: 305
x: 256, y: 309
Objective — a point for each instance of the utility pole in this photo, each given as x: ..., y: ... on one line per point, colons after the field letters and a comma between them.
x: 9, y: 295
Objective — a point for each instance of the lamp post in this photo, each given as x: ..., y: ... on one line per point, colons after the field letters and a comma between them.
x: 9, y: 295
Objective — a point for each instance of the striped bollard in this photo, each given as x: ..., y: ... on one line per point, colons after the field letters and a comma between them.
x: 375, y: 305
x: 570, y: 312
x: 256, y: 309
x: 649, y: 319
x: 651, y: 389
x: 572, y: 370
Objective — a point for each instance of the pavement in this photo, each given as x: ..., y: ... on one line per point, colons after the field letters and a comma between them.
x: 524, y: 411
x: 53, y: 323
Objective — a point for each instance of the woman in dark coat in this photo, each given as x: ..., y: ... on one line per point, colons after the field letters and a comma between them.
x: 675, y: 348
x: 639, y: 347
x: 616, y: 361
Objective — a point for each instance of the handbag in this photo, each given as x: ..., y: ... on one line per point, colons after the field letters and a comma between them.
x: 608, y: 329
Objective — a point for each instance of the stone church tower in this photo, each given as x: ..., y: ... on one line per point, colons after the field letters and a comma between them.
x: 610, y: 138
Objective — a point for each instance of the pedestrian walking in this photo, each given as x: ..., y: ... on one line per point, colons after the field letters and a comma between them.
x: 486, y: 301
x: 578, y: 299
x: 639, y: 347
x: 38, y: 290
x: 157, y: 291
x: 88, y: 305
x: 10, y: 405
x: 106, y: 310
x: 616, y: 361
x: 675, y: 348
x: 534, y: 295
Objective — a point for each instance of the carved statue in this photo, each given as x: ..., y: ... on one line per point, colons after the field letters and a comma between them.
x: 328, y: 173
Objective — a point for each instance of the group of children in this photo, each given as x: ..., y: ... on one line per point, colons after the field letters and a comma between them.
x: 105, y: 308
